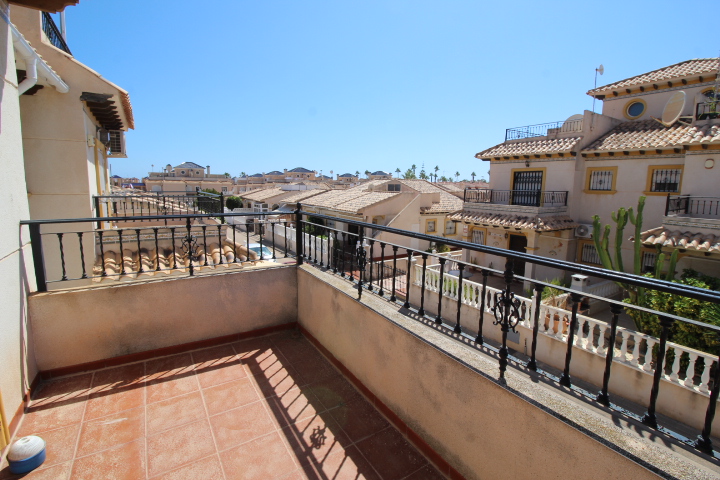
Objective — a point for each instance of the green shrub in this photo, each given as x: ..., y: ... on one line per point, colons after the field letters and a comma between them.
x: 233, y: 202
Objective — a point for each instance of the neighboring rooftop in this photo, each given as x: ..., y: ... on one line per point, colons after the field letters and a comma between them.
x: 548, y: 223
x: 448, y: 203
x: 700, y: 242
x: 650, y: 134
x: 380, y: 172
x: 260, y: 195
x: 189, y: 165
x: 705, y: 67
x: 532, y: 147
x: 422, y: 186
x: 300, y: 170
x: 302, y: 195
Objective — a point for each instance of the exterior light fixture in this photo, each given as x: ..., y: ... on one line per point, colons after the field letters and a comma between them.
x: 527, y: 163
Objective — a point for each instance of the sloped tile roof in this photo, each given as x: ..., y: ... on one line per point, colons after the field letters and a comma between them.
x: 644, y: 134
x: 422, y: 186
x: 334, y: 198
x: 688, y: 68
x: 531, y: 147
x: 547, y: 223
x: 379, y: 172
x: 189, y: 165
x: 300, y: 170
x: 447, y: 203
x: 701, y: 242
x: 302, y: 195
x: 347, y: 175
x: 356, y: 204
x: 449, y: 187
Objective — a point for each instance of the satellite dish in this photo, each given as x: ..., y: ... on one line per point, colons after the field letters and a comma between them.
x: 673, y: 108
x: 600, y: 69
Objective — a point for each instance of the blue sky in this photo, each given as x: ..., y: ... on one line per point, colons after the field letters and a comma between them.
x: 255, y: 86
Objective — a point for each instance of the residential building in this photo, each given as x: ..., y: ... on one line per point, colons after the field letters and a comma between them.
x: 300, y: 173
x: 187, y: 177
x: 548, y: 181
x: 348, y: 178
x: 380, y: 175
x: 118, y: 181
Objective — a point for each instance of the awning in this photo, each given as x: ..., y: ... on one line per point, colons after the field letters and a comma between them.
x: 537, y: 223
x: 687, y: 240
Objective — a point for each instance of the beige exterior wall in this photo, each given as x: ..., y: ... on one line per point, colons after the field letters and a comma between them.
x: 17, y: 363
x: 84, y: 325
x: 467, y: 418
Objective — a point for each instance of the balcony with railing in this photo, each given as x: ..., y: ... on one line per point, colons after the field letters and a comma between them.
x: 707, y: 110
x: 53, y: 33
x: 354, y: 359
x: 521, y: 200
x: 693, y: 206
x: 544, y: 129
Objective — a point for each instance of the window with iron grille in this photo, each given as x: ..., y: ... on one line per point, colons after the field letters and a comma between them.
x: 478, y: 237
x: 601, y: 180
x: 430, y: 226
x: 648, y: 262
x: 449, y: 227
x: 666, y: 180
x: 589, y: 254
x: 393, y: 187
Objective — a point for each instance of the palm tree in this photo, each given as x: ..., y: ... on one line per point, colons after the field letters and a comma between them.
x: 227, y: 175
x: 457, y: 176
x: 473, y: 174
x: 367, y: 172
x: 357, y: 173
x: 436, y: 170
x: 413, y: 168
x: 443, y: 178
x: 423, y: 175
x: 242, y: 174
x: 397, y: 170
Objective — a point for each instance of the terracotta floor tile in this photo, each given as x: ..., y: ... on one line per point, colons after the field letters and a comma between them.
x: 60, y: 444
x: 263, y: 458
x: 206, y: 469
x: 174, y: 412
x: 314, y: 370
x: 113, y: 401
x: 256, y: 348
x: 119, y: 378
x: 359, y: 419
x: 174, y: 448
x: 241, y: 425
x: 292, y: 406
x: 112, y: 430
x: 314, y: 439
x: 391, y: 455
x: 278, y: 383
x: 50, y: 417
x: 126, y: 462
x: 229, y: 395
x: 345, y: 465
x: 64, y: 389
x: 428, y: 472
x: 175, y: 364
x: 266, y: 366
x: 333, y: 392
x: 217, y: 365
x: 55, y: 472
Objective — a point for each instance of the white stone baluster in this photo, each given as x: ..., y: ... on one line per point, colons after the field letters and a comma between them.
x: 675, y: 371
x: 580, y: 328
x: 705, y: 377
x: 647, y: 366
x: 601, y: 348
x: 634, y: 361
x: 624, y: 346
x: 690, y: 372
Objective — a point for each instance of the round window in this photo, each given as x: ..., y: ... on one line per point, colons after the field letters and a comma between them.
x: 182, y: 172
x: 635, y: 109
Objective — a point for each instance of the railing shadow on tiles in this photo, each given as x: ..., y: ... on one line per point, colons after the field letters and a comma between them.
x: 559, y: 339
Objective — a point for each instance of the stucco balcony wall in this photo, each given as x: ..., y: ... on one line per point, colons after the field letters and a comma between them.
x: 79, y: 326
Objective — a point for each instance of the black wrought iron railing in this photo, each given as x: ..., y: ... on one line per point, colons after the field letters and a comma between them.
x: 707, y: 110
x: 543, y: 129
x: 694, y: 206
x: 530, y: 198
x: 158, y: 204
x: 351, y: 250
x: 53, y: 33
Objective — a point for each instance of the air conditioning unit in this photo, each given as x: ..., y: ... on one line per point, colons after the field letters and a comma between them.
x: 116, y: 144
x: 584, y: 231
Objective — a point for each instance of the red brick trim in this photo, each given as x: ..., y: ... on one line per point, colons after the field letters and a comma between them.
x: 412, y: 437
x: 161, y: 352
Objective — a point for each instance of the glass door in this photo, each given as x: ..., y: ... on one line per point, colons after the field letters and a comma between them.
x: 527, y: 186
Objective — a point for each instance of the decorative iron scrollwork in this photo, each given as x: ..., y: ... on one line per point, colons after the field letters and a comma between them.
x: 361, y: 255
x: 506, y: 306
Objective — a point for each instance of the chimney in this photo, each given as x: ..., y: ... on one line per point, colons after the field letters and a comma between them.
x: 208, y: 171
x: 168, y: 168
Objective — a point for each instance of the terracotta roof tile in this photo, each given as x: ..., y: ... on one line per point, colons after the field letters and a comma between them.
x: 422, y: 186
x: 447, y: 203
x: 263, y: 194
x: 356, y: 204
x: 546, y: 223
x: 701, y: 242
x: 685, y: 69
x: 531, y: 147
x: 302, y: 195
x: 644, y: 134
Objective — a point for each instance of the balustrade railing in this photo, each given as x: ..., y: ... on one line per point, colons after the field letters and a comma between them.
x: 347, y: 251
x: 543, y: 129
x: 693, y: 206
x: 532, y: 198
x: 53, y: 33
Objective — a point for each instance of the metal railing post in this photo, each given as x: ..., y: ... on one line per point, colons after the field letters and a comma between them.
x: 97, y: 211
x: 298, y: 236
x: 38, y: 258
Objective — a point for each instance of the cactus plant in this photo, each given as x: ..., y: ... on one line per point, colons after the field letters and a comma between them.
x: 601, y: 239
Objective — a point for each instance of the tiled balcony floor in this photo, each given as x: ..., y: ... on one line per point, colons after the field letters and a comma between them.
x: 264, y: 408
